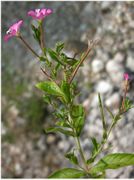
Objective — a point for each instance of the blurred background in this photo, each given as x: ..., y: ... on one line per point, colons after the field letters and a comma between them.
x: 26, y: 151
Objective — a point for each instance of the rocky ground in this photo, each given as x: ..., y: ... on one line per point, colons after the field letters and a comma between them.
x: 26, y: 151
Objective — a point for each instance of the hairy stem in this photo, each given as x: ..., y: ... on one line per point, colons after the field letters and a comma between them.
x: 28, y: 46
x: 81, y: 152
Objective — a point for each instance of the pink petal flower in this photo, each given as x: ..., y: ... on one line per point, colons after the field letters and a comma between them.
x: 13, y: 30
x: 126, y: 76
x: 40, y: 14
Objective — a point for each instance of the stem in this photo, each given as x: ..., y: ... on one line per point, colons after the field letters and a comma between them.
x: 81, y: 61
x: 102, y: 114
x: 79, y: 146
x: 28, y: 46
x: 42, y: 43
x: 123, y: 101
x: 48, y: 76
x: 81, y: 153
x: 104, y: 142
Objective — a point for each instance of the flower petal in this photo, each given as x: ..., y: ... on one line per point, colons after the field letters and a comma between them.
x: 40, y: 13
x: 49, y: 11
x: 15, y: 27
x: 7, y: 37
x: 126, y: 76
x: 31, y: 13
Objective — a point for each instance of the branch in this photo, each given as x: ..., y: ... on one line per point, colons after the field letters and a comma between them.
x: 81, y: 61
x: 28, y: 46
x: 48, y: 76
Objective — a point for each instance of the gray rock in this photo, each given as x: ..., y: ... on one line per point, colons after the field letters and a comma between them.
x: 97, y: 65
x: 105, y: 5
x: 119, y: 57
x: 130, y: 63
x: 115, y: 71
x: 50, y: 139
x: 104, y: 87
x: 113, y: 101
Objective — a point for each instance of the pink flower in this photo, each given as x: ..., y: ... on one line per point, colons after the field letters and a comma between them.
x: 13, y: 30
x: 126, y: 76
x: 40, y: 13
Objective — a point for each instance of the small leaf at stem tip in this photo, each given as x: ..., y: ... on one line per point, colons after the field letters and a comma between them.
x: 128, y: 104
x: 36, y: 33
x: 59, y: 47
x: 68, y: 173
x: 54, y: 56
x: 72, y: 158
x: 113, y: 161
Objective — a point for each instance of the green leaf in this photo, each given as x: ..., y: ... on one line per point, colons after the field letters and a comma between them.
x: 63, y: 123
x: 72, y: 61
x: 68, y: 173
x: 77, y: 110
x: 54, y: 56
x: 128, y: 104
x: 102, y: 117
x: 36, y: 33
x: 102, y: 112
x: 59, y: 47
x: 95, y: 149
x: 78, y: 115
x: 72, y: 158
x: 58, y: 129
x: 95, y: 143
x: 113, y: 161
x: 117, y: 118
x: 91, y: 160
x: 110, y: 112
x: 65, y: 87
x: 47, y: 99
x: 42, y: 59
x: 50, y: 88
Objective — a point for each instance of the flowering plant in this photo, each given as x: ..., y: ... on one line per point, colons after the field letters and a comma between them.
x: 61, y: 94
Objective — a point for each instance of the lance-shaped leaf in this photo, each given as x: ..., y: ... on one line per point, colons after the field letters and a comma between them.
x: 102, y: 117
x: 51, y: 88
x: 113, y: 161
x: 59, y: 129
x: 68, y: 173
